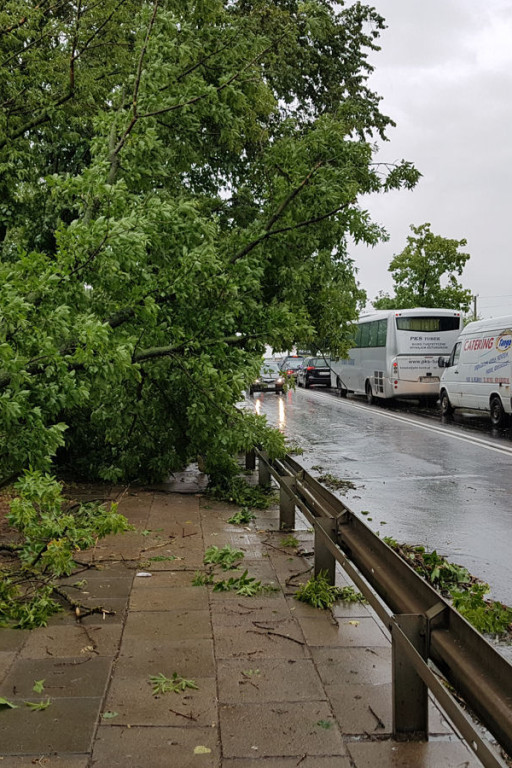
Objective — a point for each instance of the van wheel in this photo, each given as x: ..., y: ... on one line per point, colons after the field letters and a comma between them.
x: 446, y: 406
x: 370, y: 399
x: 497, y: 412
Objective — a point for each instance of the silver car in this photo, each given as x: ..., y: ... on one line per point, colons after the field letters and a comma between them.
x: 270, y: 379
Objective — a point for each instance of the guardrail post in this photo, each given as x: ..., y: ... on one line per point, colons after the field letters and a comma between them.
x: 286, y: 504
x: 410, y: 694
x: 250, y: 460
x: 263, y: 470
x: 324, y: 559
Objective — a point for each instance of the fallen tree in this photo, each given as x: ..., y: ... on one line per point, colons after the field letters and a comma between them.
x: 180, y: 183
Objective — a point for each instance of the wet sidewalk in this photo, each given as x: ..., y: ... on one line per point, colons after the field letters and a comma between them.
x: 279, y: 684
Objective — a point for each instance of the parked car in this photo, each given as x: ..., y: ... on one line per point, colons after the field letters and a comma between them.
x: 291, y: 364
x: 271, y: 378
x: 314, y: 370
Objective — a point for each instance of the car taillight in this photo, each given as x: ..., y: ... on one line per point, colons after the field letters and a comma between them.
x: 310, y: 368
x: 289, y: 371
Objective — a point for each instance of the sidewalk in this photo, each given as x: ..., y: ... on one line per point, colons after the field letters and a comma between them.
x: 279, y: 684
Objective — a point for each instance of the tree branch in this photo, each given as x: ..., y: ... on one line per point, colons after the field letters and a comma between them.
x: 293, y: 194
x: 138, y: 76
x: 315, y: 220
x: 218, y: 89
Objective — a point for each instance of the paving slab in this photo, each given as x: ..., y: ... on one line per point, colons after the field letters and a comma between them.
x: 286, y: 642
x: 156, y: 747
x: 279, y: 730
x: 12, y: 639
x: 131, y: 697
x: 234, y: 613
x: 67, y: 726
x: 304, y: 761
x: 164, y: 598
x: 6, y: 661
x: 47, y: 761
x: 63, y: 677
x: 393, y: 754
x: 325, y: 630
x: 270, y: 680
x: 164, y: 626
x: 73, y: 640
x: 191, y: 658
x: 161, y: 577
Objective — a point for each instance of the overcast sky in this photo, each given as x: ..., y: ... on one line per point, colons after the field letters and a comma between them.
x: 445, y: 75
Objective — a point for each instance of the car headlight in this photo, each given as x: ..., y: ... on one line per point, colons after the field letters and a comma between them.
x: 257, y: 381
x: 280, y: 380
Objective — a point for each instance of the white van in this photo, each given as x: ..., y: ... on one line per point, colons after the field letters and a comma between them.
x: 478, y: 372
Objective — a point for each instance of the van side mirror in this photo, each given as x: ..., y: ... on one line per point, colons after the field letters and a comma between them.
x: 443, y: 362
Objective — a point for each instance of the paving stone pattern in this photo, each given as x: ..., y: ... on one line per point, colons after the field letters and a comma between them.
x: 279, y: 684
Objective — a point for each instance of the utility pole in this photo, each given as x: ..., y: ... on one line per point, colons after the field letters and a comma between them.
x: 474, y: 306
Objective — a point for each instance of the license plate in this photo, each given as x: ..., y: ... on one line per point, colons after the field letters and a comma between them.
x: 324, y: 373
x: 429, y: 378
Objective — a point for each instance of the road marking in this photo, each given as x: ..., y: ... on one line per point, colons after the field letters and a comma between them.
x: 479, y: 441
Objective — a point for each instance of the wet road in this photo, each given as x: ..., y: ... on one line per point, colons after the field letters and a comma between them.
x: 420, y: 481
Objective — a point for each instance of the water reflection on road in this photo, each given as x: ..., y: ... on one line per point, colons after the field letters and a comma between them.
x: 415, y: 480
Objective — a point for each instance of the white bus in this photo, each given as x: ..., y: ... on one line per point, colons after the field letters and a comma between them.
x: 395, y: 353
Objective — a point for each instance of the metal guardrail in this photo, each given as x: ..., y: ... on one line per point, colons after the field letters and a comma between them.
x: 426, y: 631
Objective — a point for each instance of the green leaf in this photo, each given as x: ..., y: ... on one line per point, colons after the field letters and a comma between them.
x: 38, y: 706
x: 5, y: 703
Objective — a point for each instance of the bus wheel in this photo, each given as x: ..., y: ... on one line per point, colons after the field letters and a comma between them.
x: 446, y: 406
x: 497, y: 412
x: 370, y: 399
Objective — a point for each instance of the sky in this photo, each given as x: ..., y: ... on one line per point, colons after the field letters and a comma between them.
x: 445, y: 75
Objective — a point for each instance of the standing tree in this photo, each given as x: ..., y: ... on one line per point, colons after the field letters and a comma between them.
x: 178, y: 180
x: 425, y: 272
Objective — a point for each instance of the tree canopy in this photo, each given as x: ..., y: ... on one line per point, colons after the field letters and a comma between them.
x: 425, y: 273
x: 178, y: 184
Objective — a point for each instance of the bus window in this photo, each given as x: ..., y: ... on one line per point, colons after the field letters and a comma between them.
x: 372, y: 334
x: 365, y: 335
x: 428, y: 324
x: 382, y: 330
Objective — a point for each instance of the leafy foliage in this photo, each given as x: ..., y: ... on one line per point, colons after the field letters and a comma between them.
x: 52, y: 530
x: 175, y: 684
x: 236, y: 490
x: 424, y: 273
x: 456, y: 583
x: 227, y: 557
x: 179, y: 183
x: 488, y: 616
x: 318, y: 592
x: 290, y: 541
x: 242, y: 517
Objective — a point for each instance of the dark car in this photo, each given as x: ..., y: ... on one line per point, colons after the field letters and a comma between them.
x: 291, y: 365
x: 314, y: 370
x: 270, y: 379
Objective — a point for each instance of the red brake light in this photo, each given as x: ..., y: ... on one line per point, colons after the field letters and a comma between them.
x: 310, y: 368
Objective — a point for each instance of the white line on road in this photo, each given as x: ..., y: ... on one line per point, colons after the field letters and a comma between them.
x: 446, y: 431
